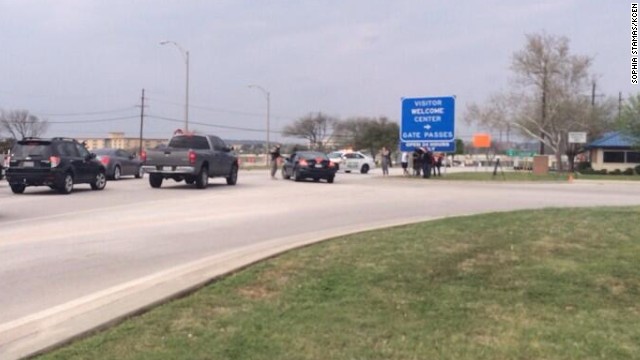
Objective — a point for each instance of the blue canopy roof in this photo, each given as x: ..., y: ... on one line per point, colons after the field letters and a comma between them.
x: 613, y: 140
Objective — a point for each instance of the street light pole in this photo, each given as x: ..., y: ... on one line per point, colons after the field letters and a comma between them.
x: 268, y: 96
x: 185, y: 54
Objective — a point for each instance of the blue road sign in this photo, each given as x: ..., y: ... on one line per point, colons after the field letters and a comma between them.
x: 428, y: 122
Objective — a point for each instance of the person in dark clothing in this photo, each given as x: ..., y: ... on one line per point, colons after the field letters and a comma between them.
x: 416, y: 158
x: 275, y: 157
x: 427, y: 162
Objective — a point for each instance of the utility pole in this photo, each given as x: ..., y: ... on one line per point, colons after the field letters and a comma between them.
x: 619, y: 105
x: 141, y: 122
x: 593, y: 93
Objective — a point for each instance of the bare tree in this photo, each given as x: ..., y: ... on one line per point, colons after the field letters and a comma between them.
x: 548, y: 96
x: 20, y: 124
x: 313, y: 127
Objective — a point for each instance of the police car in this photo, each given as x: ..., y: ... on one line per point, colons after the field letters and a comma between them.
x: 349, y: 161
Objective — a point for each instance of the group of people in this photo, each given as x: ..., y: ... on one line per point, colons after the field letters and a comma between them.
x: 424, y: 162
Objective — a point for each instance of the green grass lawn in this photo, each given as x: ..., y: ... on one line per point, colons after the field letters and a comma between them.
x: 546, y: 284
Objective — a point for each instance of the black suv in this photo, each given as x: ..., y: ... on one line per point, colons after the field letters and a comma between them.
x: 57, y: 162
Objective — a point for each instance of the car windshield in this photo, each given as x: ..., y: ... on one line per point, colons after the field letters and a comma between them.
x: 335, y: 154
x: 32, y: 149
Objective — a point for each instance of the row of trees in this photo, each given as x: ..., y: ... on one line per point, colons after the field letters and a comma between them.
x: 552, y: 93
x: 325, y: 132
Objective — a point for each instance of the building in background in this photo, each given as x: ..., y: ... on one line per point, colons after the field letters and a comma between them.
x: 118, y: 140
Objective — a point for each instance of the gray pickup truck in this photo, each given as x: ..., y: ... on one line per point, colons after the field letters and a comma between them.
x: 192, y: 158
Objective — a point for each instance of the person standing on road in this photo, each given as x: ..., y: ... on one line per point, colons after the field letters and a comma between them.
x: 275, y: 157
x: 385, y: 160
x: 437, y: 164
x: 404, y: 161
x: 427, y: 162
x: 417, y: 161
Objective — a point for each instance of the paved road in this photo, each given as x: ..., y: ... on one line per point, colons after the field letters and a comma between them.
x: 69, y: 263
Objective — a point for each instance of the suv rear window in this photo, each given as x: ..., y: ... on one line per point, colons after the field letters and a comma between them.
x: 31, y: 149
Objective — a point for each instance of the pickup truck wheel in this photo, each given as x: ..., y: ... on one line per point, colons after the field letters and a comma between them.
x: 203, y: 178
x: 330, y: 180
x: 190, y: 180
x: 17, y: 188
x: 99, y: 182
x: 155, y: 180
x: 66, y: 186
x: 232, y: 179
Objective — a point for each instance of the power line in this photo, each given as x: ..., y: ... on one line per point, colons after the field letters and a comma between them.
x: 208, y: 125
x: 86, y: 113
x: 92, y: 121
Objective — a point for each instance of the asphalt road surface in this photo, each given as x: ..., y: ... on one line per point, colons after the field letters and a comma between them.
x: 69, y: 263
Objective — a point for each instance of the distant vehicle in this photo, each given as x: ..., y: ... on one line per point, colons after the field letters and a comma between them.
x: 192, y: 158
x: 59, y: 163
x: 309, y: 165
x: 119, y: 163
x: 352, y: 161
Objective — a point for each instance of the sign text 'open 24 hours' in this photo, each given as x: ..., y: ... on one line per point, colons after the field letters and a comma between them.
x: 428, y: 122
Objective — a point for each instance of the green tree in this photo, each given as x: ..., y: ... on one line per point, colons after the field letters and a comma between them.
x: 459, y: 147
x: 369, y: 134
x: 629, y: 122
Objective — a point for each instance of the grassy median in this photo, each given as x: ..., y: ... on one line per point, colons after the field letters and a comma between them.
x: 546, y: 284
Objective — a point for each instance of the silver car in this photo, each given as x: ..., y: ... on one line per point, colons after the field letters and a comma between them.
x: 119, y: 163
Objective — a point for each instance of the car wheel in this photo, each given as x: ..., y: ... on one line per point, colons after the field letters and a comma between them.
x: 155, y: 180
x: 364, y: 169
x: 285, y: 175
x: 99, y: 182
x: 203, y: 178
x: 296, y: 175
x: 232, y: 179
x: 18, y: 188
x: 117, y: 173
x: 66, y: 186
x: 330, y: 180
x: 316, y: 179
x: 139, y: 173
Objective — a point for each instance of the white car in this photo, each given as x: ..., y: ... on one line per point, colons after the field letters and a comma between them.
x: 349, y: 161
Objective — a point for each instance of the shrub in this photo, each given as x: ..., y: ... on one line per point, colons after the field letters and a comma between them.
x: 616, y: 172
x: 583, y: 165
x: 587, y: 171
x: 603, y: 172
x: 628, y: 171
x: 638, y: 169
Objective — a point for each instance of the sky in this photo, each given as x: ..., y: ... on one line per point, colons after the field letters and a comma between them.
x: 82, y: 65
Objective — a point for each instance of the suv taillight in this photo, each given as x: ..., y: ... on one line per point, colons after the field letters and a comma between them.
x: 54, y: 160
x: 192, y: 157
x: 143, y: 156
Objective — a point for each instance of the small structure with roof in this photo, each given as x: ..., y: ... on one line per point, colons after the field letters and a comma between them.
x: 614, y: 150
